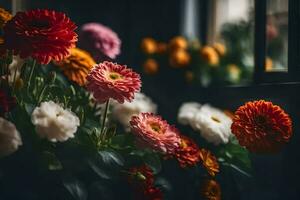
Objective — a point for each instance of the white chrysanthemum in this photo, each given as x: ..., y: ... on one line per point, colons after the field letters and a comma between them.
x: 54, y: 122
x: 187, y: 112
x: 15, y: 69
x: 124, y: 112
x: 213, y: 124
x: 10, y: 138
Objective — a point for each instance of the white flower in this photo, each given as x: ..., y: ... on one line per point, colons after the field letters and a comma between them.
x: 10, y: 138
x: 124, y: 112
x: 15, y: 69
x: 53, y: 122
x: 213, y: 124
x: 187, y: 112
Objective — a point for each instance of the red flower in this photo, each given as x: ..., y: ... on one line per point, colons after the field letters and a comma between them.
x: 111, y: 80
x: 188, y: 152
x: 152, y: 193
x: 155, y: 133
x: 42, y: 34
x: 262, y: 127
x: 6, y: 102
x: 141, y: 180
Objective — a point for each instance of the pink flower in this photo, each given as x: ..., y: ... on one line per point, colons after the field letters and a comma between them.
x: 111, y: 80
x: 155, y: 133
x: 100, y: 41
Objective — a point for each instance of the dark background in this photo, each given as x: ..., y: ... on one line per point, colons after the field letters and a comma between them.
x: 275, y: 177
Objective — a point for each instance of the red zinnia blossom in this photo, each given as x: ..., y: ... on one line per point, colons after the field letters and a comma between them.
x: 262, y: 127
x: 141, y: 180
x: 111, y: 80
x: 41, y: 34
x: 188, y: 152
x: 6, y: 102
x: 155, y: 133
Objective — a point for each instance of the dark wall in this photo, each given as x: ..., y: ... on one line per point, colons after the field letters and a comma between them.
x: 275, y: 177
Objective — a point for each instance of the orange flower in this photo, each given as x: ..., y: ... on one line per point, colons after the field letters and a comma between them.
x: 268, y: 64
x: 77, y: 66
x: 180, y: 58
x: 209, y: 161
x: 4, y: 17
x: 149, y: 46
x: 262, y: 127
x: 188, y: 152
x: 220, y: 48
x: 177, y: 43
x: 210, y: 55
x: 211, y: 190
x: 150, y: 66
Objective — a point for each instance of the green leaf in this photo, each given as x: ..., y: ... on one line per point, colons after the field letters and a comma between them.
x: 51, y: 161
x: 122, y: 141
x: 111, y: 158
x: 236, y: 155
x: 97, y: 168
x: 29, y: 108
x: 75, y: 188
x: 153, y: 161
x: 106, y: 163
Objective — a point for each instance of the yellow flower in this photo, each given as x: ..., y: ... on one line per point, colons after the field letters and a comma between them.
x: 180, y: 58
x: 150, y: 66
x: 210, y: 190
x: 4, y: 17
x: 210, y: 56
x: 234, y: 72
x: 209, y: 161
x: 149, y: 46
x: 177, y: 43
x: 220, y: 48
x: 77, y: 66
x: 268, y: 64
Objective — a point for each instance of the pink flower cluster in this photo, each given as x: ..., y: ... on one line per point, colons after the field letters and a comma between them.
x: 155, y: 133
x: 100, y: 41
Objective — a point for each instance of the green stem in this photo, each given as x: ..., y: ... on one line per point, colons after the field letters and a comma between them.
x: 40, y: 98
x: 31, y: 74
x: 104, y: 116
x: 14, y: 81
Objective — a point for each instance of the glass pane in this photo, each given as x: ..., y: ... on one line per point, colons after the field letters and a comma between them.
x: 277, y: 36
x: 233, y: 25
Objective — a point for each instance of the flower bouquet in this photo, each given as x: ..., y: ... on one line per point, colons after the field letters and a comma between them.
x: 57, y: 136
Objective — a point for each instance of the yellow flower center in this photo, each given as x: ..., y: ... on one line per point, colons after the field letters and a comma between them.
x: 155, y: 127
x: 115, y: 76
x: 183, y: 144
x: 215, y: 119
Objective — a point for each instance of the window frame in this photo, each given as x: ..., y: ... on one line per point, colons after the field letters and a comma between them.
x: 293, y: 72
